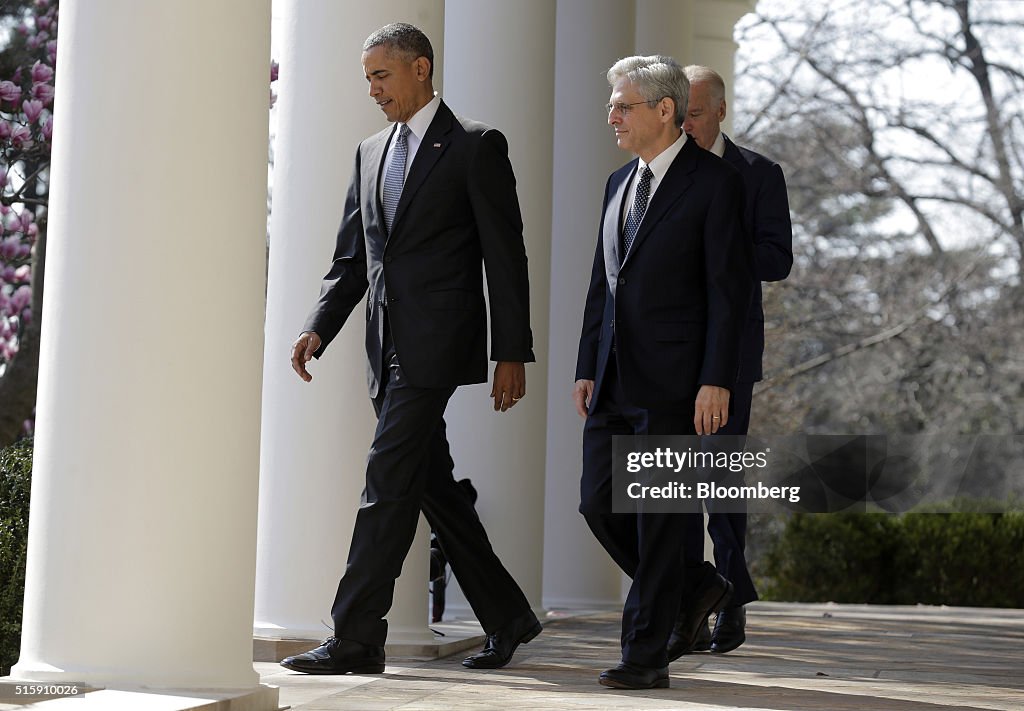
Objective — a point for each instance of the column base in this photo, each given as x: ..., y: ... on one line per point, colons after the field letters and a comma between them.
x: 458, y: 637
x: 262, y: 698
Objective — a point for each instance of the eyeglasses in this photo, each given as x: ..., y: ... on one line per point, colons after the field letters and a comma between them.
x: 624, y: 109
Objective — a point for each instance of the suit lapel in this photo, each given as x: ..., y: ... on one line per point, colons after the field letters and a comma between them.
x: 433, y: 144
x: 373, y: 157
x: 677, y: 181
x: 611, y: 229
x: 732, y: 154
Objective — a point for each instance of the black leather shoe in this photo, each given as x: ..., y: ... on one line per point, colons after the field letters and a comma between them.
x: 703, y: 643
x: 338, y: 656
x: 730, y: 630
x: 630, y: 676
x: 710, y: 596
x: 501, y: 645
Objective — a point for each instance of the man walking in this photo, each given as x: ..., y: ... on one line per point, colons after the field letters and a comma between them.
x: 659, y: 350
x: 767, y: 222
x: 432, y: 197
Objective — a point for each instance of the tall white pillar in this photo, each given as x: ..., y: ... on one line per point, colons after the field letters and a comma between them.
x: 316, y: 435
x: 499, y: 70
x: 713, y: 45
x: 142, y: 533
x: 591, y: 36
x: 665, y: 27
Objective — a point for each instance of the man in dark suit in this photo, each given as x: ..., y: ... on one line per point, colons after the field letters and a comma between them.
x: 659, y: 350
x: 432, y: 197
x: 767, y: 222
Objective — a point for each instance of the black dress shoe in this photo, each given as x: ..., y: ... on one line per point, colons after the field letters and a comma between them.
x: 710, y: 596
x: 501, y: 645
x: 338, y: 656
x: 630, y: 676
x: 703, y: 643
x: 730, y: 630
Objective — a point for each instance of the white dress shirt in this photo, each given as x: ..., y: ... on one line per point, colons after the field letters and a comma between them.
x: 659, y: 166
x: 418, y: 126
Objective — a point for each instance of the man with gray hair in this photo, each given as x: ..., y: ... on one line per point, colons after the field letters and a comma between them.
x: 659, y: 349
x: 767, y: 223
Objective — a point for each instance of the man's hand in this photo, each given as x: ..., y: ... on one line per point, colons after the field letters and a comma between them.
x: 509, y: 385
x: 582, y: 391
x: 711, y: 411
x: 302, y: 351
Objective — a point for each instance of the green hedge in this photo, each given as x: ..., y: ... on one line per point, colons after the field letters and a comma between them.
x: 15, y: 479
x: 964, y: 558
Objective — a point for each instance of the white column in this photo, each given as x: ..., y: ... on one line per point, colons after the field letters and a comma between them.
x: 665, y: 27
x: 713, y: 45
x: 592, y: 35
x: 316, y: 435
x: 500, y: 70
x: 142, y: 534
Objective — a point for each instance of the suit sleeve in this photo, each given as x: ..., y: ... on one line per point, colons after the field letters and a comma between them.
x: 593, y: 311
x: 492, y: 194
x: 345, y: 282
x: 773, y: 230
x: 729, y: 266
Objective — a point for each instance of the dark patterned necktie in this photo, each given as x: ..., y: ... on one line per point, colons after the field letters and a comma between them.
x: 395, y: 178
x: 636, y: 213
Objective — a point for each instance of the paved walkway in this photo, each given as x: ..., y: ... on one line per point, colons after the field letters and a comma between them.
x: 797, y: 657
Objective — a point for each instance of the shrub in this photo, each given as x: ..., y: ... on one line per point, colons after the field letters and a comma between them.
x: 961, y: 558
x: 15, y: 478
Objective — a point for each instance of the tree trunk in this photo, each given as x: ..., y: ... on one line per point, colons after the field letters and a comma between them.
x: 18, y: 384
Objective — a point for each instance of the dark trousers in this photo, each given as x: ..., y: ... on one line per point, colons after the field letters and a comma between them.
x: 647, y: 546
x: 409, y: 469
x: 728, y: 531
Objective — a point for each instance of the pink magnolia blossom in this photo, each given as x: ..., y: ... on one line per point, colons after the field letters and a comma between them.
x: 51, y: 52
x: 9, y: 247
x: 21, y: 137
x: 8, y: 273
x: 48, y: 128
x: 20, y: 274
x: 6, y: 129
x: 9, y: 91
x: 43, y: 92
x: 42, y: 73
x: 22, y: 297
x: 32, y: 109
x: 26, y: 218
x: 274, y: 70
x: 26, y: 318
x: 33, y: 231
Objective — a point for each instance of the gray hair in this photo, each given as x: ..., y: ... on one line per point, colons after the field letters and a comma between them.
x: 655, y: 77
x: 698, y: 74
x: 404, y: 39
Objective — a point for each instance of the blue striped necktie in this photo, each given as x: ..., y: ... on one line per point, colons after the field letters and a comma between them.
x: 395, y: 178
x: 636, y: 213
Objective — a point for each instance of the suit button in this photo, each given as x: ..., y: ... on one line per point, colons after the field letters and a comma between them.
x: 387, y: 259
x: 622, y: 280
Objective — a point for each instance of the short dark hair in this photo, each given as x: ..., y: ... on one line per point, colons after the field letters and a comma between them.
x: 403, y: 38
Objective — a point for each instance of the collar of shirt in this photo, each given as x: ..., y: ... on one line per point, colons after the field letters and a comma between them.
x: 659, y: 167
x: 418, y: 125
x: 718, y: 147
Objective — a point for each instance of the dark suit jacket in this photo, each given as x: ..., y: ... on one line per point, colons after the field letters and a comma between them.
x: 766, y: 219
x: 458, y: 209
x: 678, y: 302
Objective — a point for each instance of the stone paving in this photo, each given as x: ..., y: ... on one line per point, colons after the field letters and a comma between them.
x: 797, y: 657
